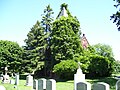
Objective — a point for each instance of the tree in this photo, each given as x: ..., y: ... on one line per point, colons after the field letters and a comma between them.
x: 37, y: 45
x: 46, y: 22
x: 102, y: 60
x: 103, y: 50
x: 11, y: 55
x: 66, y: 69
x: 35, y: 48
x: 47, y: 18
x: 65, y: 40
x: 99, y: 66
x: 116, y: 16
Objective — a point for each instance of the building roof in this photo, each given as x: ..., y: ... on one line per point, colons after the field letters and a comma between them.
x: 84, y: 41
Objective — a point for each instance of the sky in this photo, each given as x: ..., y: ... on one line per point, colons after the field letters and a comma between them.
x: 17, y: 17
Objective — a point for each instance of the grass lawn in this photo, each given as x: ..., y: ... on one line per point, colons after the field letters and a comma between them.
x: 21, y: 86
x: 63, y: 85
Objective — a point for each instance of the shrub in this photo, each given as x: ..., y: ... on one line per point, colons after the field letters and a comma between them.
x: 66, y: 69
x: 100, y: 66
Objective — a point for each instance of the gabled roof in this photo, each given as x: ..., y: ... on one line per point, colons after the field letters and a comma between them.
x: 63, y: 12
x: 84, y: 41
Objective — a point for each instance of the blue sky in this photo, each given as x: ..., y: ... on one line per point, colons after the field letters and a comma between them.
x: 18, y: 16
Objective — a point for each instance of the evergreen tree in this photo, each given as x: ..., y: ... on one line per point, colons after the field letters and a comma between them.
x: 35, y: 48
x: 46, y: 22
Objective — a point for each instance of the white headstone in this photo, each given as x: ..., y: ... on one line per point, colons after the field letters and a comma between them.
x: 29, y: 80
x: 101, y: 86
x: 2, y: 87
x: 51, y: 84
x: 12, y: 81
x: 78, y: 77
x: 41, y: 84
x: 17, y: 79
x: 118, y: 85
x: 83, y: 86
x: 35, y: 84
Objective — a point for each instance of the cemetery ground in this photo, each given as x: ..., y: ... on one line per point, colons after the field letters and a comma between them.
x: 62, y: 84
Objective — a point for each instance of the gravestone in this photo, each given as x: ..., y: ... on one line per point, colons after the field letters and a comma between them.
x: 17, y: 79
x: 12, y: 81
x: 6, y: 76
x: 118, y: 85
x: 78, y: 77
x: 41, y: 84
x: 2, y: 87
x: 35, y: 84
x: 101, y: 86
x: 83, y: 86
x: 1, y: 76
x: 51, y: 84
x: 29, y: 80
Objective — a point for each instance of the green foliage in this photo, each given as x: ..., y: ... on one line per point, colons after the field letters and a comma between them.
x: 103, y: 50
x: 117, y: 67
x: 35, y: 48
x: 116, y: 16
x: 47, y: 18
x: 11, y: 55
x: 66, y: 69
x: 100, y: 66
x: 85, y: 62
x: 65, y: 41
x: 46, y: 22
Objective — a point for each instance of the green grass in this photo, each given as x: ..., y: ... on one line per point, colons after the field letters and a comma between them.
x: 109, y: 80
x: 68, y: 85
x: 21, y: 86
x: 63, y: 85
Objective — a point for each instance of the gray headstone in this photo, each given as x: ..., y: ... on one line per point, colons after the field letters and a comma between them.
x: 41, y: 84
x: 83, y: 86
x: 118, y: 85
x: 101, y: 86
x: 2, y: 87
x: 35, y: 84
x: 51, y: 84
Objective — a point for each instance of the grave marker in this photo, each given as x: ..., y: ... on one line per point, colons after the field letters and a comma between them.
x: 29, y: 80
x: 118, y: 85
x: 35, y: 84
x: 101, y: 86
x: 83, y: 86
x: 2, y: 87
x: 17, y: 79
x: 41, y: 84
x: 51, y: 84
x: 79, y: 76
